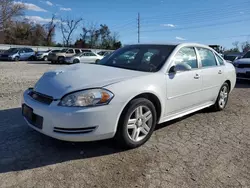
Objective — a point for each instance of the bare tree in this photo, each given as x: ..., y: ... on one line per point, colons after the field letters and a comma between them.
x: 8, y: 10
x: 50, y: 29
x: 68, y: 26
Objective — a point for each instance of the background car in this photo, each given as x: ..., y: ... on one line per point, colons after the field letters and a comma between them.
x: 85, y: 57
x: 242, y: 66
x: 43, y: 55
x: 231, y: 57
x: 17, y: 54
x: 59, y: 57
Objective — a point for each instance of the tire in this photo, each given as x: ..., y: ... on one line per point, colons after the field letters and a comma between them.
x: 16, y: 58
x: 97, y: 60
x: 32, y: 58
x: 126, y: 135
x: 60, y: 60
x: 222, y: 99
x: 76, y: 61
x: 45, y: 58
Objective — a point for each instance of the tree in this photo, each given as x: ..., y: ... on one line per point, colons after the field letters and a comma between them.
x: 236, y: 47
x: 8, y: 10
x: 245, y: 46
x: 68, y: 26
x: 50, y: 30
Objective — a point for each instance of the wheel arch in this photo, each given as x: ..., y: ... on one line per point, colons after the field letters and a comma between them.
x: 151, y: 97
x: 229, y: 84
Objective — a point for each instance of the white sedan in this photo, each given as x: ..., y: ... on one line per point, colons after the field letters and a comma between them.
x: 85, y: 57
x: 124, y: 97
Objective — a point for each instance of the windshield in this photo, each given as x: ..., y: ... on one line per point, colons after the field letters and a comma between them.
x: 148, y: 58
x: 12, y: 50
x: 64, y: 50
x: 247, y: 55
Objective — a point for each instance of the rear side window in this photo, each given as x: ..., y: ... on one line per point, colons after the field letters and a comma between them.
x: 186, y: 55
x: 77, y: 51
x: 207, y: 57
x: 221, y: 62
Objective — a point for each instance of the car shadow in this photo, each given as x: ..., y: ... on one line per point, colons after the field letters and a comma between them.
x: 23, y: 148
x: 44, y: 63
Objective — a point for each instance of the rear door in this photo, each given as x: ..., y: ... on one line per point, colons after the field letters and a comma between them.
x: 212, y: 74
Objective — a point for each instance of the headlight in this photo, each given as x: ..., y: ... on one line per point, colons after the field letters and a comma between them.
x: 92, y: 97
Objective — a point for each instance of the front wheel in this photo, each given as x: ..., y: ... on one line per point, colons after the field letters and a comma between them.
x: 16, y: 58
x: 222, y: 98
x: 45, y: 58
x: 136, y: 123
x: 76, y: 61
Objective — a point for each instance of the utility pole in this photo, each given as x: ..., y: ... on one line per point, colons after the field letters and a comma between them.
x: 138, y: 27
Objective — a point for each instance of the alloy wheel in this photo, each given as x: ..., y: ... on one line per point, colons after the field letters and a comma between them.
x: 223, y: 96
x: 139, y: 123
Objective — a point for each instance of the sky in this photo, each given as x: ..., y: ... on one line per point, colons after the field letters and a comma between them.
x: 161, y: 21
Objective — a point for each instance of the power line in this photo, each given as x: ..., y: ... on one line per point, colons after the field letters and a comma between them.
x: 138, y: 27
x: 189, y: 13
x: 195, y: 27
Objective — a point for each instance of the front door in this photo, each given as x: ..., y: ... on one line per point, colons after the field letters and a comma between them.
x: 184, y: 87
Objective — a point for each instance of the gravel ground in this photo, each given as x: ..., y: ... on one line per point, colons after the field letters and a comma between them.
x: 205, y: 149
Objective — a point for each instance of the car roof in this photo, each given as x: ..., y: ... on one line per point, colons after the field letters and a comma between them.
x: 174, y: 44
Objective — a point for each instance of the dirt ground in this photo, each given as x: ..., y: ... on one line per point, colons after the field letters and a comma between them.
x: 205, y: 149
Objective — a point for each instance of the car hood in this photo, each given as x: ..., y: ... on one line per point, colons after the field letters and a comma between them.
x: 243, y: 61
x: 8, y: 53
x: 59, y: 82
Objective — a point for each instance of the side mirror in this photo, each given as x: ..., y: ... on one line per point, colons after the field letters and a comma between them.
x: 180, y: 67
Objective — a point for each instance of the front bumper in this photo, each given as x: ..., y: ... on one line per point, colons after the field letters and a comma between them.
x: 243, y: 73
x: 71, y: 123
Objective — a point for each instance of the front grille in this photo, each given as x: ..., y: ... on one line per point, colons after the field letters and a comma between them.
x: 74, y: 130
x: 41, y: 97
x: 241, y: 66
x: 243, y: 75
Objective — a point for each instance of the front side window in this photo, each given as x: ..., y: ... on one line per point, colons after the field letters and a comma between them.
x: 207, y: 57
x: 70, y: 51
x: 147, y: 58
x: 187, y: 56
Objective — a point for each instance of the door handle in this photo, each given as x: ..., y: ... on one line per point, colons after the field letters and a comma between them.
x: 197, y: 76
x: 220, y: 72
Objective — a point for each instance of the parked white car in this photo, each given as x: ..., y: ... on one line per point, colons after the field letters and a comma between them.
x: 85, y: 57
x: 124, y: 97
x: 243, y: 66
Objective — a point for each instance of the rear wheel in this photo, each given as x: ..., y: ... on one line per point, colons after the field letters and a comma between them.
x: 222, y: 98
x: 136, y: 123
